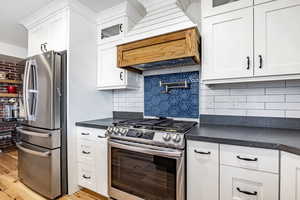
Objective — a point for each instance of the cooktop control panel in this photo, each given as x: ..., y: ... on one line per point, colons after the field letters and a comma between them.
x: 160, y: 138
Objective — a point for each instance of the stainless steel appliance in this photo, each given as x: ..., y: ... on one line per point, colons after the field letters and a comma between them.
x: 146, y: 159
x: 42, y: 151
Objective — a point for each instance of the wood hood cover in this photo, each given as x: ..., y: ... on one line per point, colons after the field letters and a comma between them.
x: 173, y: 49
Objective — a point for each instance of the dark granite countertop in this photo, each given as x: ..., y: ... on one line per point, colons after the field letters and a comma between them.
x: 270, y: 138
x: 98, y: 123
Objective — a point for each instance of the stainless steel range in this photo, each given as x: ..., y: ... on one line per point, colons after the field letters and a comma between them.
x: 146, y: 159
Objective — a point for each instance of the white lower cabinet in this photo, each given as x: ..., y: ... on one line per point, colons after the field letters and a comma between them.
x: 243, y: 184
x: 92, y: 159
x: 202, y: 171
x: 290, y: 177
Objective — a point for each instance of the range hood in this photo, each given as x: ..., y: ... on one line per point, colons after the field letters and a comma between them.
x: 169, y: 50
x: 165, y: 37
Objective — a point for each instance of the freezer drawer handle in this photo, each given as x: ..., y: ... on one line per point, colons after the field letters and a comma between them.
x: 86, y: 177
x: 36, y: 153
x: 35, y: 134
x: 247, y: 159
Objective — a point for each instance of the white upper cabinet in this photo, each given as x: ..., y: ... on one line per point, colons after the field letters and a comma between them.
x: 50, y: 34
x: 214, y: 7
x: 228, y: 41
x: 228, y: 45
x: 112, y: 27
x: 277, y: 41
x: 36, y: 37
x: 109, y: 75
x: 112, y: 30
x: 290, y: 177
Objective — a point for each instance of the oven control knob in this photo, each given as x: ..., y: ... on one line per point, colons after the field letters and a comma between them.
x: 167, y: 137
x: 116, y: 131
x: 176, y: 138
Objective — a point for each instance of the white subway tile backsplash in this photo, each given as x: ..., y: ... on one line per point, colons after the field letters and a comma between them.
x: 230, y: 98
x: 266, y: 98
x: 293, y: 83
x: 288, y: 90
x: 267, y: 84
x: 266, y: 113
x: 292, y: 114
x: 283, y: 106
x: 232, y: 112
x: 292, y: 98
x: 251, y: 91
x: 250, y: 106
x: 211, y: 92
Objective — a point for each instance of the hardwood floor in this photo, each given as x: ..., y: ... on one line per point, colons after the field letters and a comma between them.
x: 12, y: 189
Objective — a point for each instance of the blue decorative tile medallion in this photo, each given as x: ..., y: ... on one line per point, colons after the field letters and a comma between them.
x: 182, y: 103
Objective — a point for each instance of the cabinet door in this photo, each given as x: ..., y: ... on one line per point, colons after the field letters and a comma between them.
x: 101, y: 162
x: 112, y: 30
x: 228, y: 45
x: 57, y: 33
x: 277, y: 41
x: 290, y: 176
x: 214, y: 7
x: 202, y: 171
x: 109, y: 75
x: 36, y: 37
x: 243, y: 184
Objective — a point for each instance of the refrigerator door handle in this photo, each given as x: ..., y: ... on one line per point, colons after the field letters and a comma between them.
x: 31, y: 133
x: 32, y: 152
x: 32, y: 75
x: 25, y: 88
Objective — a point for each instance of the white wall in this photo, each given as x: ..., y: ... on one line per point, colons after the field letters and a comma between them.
x: 85, y: 103
x: 12, y: 50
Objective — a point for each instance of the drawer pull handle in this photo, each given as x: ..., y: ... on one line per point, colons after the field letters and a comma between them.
x: 86, y: 177
x: 86, y: 152
x: 85, y: 133
x: 248, y: 159
x: 201, y: 152
x: 99, y: 136
x: 246, y: 192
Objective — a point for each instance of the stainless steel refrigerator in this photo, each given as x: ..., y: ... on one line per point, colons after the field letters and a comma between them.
x: 42, y: 161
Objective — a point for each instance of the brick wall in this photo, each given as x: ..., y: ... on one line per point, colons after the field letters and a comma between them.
x: 14, y: 71
x: 7, y: 129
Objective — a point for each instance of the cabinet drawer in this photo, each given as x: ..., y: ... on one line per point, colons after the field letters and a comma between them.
x: 86, y: 151
x: 202, y: 171
x: 250, y: 158
x: 86, y: 177
x: 244, y: 184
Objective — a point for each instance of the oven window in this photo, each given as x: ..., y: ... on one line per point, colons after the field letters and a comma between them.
x: 146, y: 176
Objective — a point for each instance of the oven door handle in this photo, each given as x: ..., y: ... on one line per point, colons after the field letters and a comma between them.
x: 146, y: 149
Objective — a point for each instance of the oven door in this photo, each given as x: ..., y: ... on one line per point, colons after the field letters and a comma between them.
x: 144, y: 172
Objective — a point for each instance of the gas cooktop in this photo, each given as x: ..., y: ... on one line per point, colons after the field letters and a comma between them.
x: 159, y: 124
x: 160, y: 132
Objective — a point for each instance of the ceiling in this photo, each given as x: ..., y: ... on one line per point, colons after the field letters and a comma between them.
x: 15, y: 10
